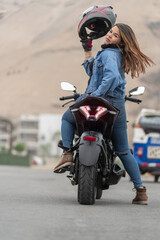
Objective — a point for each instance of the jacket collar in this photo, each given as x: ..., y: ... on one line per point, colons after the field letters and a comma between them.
x: 104, y: 46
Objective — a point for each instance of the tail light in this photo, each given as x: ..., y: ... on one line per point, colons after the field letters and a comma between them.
x: 100, y: 112
x: 144, y: 164
x: 140, y: 152
x: 93, y: 114
x: 85, y: 110
x: 92, y: 139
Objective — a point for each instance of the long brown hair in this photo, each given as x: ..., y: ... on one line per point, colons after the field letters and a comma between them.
x: 132, y: 58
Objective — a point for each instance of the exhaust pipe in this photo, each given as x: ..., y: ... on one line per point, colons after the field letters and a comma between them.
x: 116, y: 174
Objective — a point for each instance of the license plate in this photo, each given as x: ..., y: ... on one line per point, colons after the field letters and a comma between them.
x: 153, y: 152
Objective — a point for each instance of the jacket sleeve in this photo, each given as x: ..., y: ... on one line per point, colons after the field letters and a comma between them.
x: 110, y: 79
x: 86, y: 65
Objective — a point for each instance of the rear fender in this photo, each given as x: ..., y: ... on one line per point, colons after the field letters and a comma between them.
x: 89, y: 150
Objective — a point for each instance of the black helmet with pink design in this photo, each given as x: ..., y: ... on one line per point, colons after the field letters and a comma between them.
x: 96, y: 21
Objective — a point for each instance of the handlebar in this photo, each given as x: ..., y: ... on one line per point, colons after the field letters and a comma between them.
x: 67, y: 97
x: 133, y: 99
x: 74, y: 96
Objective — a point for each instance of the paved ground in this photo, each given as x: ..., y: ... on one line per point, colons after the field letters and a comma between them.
x: 36, y: 204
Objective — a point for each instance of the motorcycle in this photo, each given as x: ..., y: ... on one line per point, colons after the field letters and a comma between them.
x: 94, y: 168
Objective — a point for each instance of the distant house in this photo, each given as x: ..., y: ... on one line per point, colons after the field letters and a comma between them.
x: 26, y: 131
x: 49, y: 133
x: 6, y: 134
x: 40, y: 134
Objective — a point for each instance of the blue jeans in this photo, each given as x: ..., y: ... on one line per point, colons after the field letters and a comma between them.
x: 119, y: 138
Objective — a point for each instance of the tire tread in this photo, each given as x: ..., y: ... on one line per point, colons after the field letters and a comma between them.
x: 86, y: 184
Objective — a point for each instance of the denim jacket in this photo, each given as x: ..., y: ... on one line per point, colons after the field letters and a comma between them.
x: 108, y: 78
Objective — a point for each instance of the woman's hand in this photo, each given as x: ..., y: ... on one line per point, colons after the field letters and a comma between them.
x: 87, y: 45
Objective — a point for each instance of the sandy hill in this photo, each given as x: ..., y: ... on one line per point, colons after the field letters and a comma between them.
x: 39, y: 48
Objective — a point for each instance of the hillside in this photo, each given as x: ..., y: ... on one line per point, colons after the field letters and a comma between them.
x: 40, y: 48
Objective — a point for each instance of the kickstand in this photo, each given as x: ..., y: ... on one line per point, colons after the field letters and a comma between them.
x: 70, y: 177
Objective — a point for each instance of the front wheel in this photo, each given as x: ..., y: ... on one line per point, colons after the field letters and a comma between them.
x: 99, y: 193
x: 99, y: 190
x: 87, y: 184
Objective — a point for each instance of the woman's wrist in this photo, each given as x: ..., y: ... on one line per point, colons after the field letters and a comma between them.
x: 88, y: 55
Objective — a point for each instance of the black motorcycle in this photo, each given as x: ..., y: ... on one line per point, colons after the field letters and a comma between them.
x: 94, y: 168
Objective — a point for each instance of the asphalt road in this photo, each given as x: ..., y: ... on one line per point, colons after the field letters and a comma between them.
x: 39, y: 205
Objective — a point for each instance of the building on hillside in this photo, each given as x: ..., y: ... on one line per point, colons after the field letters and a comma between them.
x: 40, y: 134
x: 6, y: 134
x: 49, y: 134
x: 26, y: 131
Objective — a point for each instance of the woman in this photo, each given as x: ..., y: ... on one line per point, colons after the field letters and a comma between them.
x: 120, y: 54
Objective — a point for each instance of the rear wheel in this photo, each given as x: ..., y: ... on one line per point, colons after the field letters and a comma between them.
x: 87, y: 184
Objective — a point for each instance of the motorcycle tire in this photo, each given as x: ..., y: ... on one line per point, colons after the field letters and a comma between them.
x: 99, y: 193
x: 99, y: 190
x: 87, y: 184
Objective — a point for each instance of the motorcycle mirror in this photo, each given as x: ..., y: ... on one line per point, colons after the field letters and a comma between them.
x: 137, y: 91
x: 67, y: 86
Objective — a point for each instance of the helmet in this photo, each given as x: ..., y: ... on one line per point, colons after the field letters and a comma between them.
x: 98, y: 20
